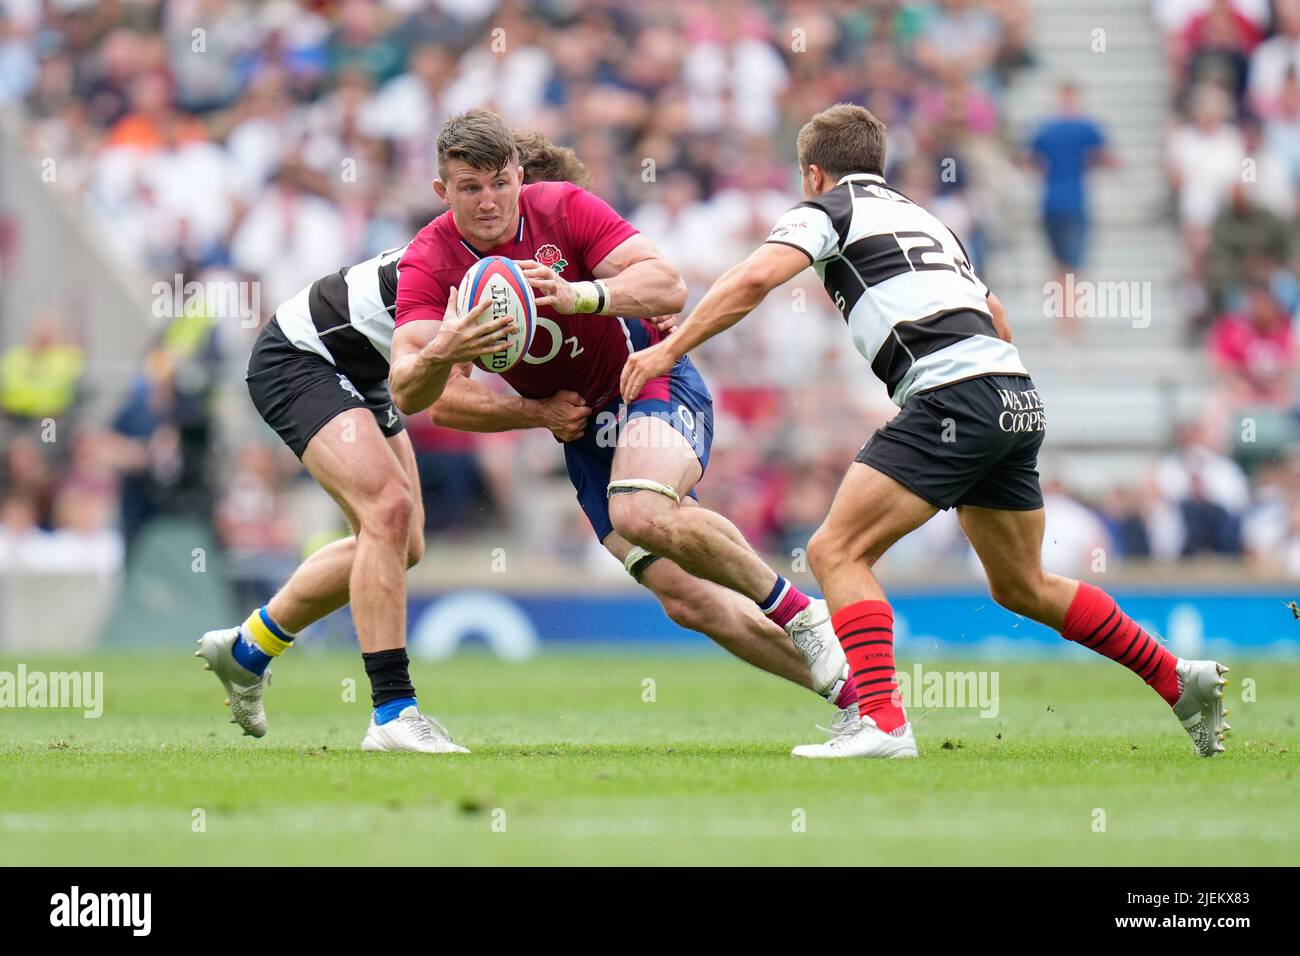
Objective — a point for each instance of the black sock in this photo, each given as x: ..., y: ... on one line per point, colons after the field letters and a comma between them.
x: 389, y: 679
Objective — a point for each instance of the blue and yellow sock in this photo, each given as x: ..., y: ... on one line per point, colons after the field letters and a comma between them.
x: 386, y: 712
x: 260, y: 640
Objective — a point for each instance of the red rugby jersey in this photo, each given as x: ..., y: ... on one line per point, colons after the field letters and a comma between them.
x: 562, y: 226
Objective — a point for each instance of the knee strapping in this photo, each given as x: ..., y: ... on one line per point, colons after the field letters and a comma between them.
x: 637, y: 560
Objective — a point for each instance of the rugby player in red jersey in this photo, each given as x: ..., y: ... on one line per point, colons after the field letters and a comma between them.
x: 634, y: 468
x: 966, y: 436
x: 318, y: 375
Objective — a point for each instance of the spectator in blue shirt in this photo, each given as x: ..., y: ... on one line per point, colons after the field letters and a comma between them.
x: 1065, y: 147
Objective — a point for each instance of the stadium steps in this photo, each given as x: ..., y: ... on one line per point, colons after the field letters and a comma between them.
x: 1111, y: 400
x: 67, y: 263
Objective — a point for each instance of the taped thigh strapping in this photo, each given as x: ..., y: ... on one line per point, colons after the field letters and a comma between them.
x: 626, y: 486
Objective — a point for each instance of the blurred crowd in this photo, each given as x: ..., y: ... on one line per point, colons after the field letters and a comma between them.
x: 1233, y: 160
x: 273, y: 142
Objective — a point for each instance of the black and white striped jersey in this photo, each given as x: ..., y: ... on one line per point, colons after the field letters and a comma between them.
x: 904, y: 284
x: 347, y: 317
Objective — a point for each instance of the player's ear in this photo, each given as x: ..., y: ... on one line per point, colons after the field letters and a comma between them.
x: 811, y: 181
x: 440, y: 188
x: 820, y: 180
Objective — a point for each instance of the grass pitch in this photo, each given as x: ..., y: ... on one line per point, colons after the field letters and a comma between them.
x: 572, y: 765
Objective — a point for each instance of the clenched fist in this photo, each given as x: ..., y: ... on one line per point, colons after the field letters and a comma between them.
x: 565, y: 413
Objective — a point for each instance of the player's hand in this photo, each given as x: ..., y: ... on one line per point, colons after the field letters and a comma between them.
x: 664, y: 323
x: 642, y: 367
x: 565, y: 413
x: 461, y: 338
x: 549, y: 287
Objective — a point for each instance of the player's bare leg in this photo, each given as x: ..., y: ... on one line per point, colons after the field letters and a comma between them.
x: 352, y: 461
x: 653, y: 471
x: 1009, y: 545
x: 321, y: 584
x: 1017, y: 579
x: 722, y: 615
x: 366, y: 475
x: 355, y: 464
x: 703, y: 542
x: 869, y: 513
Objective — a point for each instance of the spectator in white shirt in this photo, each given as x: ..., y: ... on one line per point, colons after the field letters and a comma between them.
x: 1221, y: 479
x: 1204, y: 162
x: 734, y: 79
x: 1276, y: 58
x: 1282, y: 128
x: 290, y: 238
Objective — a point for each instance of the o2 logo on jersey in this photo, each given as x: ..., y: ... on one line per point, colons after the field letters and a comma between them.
x: 687, y: 417
x: 557, y: 342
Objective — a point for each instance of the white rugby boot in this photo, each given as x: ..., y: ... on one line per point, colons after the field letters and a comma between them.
x: 243, y: 687
x: 413, y: 731
x: 813, y: 635
x: 860, y: 737
x: 1200, y: 706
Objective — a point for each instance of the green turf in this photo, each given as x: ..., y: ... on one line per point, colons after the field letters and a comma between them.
x: 580, y: 769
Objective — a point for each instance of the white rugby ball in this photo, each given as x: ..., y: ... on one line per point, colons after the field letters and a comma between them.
x: 501, y: 281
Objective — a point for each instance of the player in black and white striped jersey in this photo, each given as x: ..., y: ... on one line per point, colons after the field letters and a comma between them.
x: 347, y: 316
x: 967, y: 435
x: 344, y: 320
x: 932, y: 326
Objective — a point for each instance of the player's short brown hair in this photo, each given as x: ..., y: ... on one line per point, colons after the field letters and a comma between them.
x: 479, y: 138
x: 843, y: 139
x: 544, y: 162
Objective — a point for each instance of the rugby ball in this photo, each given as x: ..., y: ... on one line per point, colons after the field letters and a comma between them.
x: 501, y: 281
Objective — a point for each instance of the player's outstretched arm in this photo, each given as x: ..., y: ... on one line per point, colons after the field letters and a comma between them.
x: 424, y: 352
x: 470, y: 406
x: 737, y: 292
x: 635, y: 281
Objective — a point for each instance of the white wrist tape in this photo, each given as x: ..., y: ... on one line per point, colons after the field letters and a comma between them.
x: 591, y: 297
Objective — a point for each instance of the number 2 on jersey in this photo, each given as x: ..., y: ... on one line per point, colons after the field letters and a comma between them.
x: 916, y: 252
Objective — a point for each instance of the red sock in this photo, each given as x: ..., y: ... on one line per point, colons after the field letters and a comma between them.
x: 784, y: 603
x: 866, y: 632
x: 1096, y: 621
